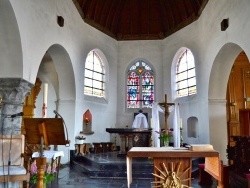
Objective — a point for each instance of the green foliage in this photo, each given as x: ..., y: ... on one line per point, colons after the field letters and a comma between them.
x: 49, y: 174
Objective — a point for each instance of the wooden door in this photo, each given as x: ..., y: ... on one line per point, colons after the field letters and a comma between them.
x: 238, y: 95
x: 244, y: 117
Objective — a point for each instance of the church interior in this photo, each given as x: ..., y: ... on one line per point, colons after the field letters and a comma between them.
x: 86, y: 77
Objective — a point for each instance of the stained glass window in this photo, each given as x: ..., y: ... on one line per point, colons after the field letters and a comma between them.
x: 185, y: 74
x: 140, y: 86
x: 94, y: 75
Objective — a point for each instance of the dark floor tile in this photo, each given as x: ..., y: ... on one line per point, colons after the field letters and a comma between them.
x: 71, y: 177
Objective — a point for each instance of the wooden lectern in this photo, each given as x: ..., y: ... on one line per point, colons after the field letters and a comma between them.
x: 51, y: 129
x: 44, y: 131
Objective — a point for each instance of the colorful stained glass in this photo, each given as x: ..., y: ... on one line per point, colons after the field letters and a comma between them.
x: 140, y: 86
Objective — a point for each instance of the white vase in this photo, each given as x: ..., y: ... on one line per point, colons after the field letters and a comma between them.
x: 79, y: 141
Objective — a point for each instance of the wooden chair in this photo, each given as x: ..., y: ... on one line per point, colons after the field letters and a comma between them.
x: 11, y: 160
x: 97, y: 147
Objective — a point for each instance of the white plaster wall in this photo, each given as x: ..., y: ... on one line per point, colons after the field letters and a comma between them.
x: 38, y: 32
x: 205, y: 39
x: 128, y: 51
x: 10, y: 42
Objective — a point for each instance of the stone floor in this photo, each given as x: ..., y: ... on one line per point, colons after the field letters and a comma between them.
x: 71, y: 177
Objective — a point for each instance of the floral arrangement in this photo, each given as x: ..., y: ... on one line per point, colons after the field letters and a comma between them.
x: 165, y: 136
x: 49, y: 173
x: 80, y: 137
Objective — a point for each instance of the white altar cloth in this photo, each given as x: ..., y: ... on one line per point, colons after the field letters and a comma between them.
x: 53, y: 155
x: 140, y: 121
x: 49, y: 154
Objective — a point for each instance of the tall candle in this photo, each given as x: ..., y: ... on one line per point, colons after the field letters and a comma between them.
x: 180, y: 123
x: 45, y: 99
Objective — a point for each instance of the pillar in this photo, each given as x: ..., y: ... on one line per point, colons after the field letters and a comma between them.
x: 13, y: 92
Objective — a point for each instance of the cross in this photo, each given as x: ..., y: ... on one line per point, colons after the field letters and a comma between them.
x: 166, y: 105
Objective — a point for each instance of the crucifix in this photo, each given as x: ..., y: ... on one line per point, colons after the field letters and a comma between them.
x: 166, y: 105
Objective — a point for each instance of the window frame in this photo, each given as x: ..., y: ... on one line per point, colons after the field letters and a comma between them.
x: 190, y: 89
x: 136, y: 68
x: 98, y: 55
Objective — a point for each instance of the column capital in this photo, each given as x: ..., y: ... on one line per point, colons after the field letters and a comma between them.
x: 13, y: 92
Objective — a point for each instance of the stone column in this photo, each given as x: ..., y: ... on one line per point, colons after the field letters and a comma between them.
x: 13, y: 92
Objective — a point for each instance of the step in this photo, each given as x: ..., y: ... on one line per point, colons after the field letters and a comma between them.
x: 111, y: 166
x: 97, y: 169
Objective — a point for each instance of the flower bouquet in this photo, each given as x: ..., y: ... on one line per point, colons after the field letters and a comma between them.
x: 49, y: 174
x: 80, y: 138
x: 165, y: 136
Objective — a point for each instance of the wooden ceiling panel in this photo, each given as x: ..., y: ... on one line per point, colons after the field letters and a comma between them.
x: 98, y: 12
x: 117, y: 17
x: 111, y: 14
x: 103, y: 15
x: 137, y: 19
x: 125, y: 21
x: 143, y: 18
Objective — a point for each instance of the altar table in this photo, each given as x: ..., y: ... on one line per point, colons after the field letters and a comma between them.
x: 171, y: 156
x: 132, y: 137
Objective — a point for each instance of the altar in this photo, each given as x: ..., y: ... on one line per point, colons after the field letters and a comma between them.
x: 173, y: 166
x: 132, y: 137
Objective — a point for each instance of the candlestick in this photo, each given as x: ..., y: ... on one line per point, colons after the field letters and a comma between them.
x: 45, y: 99
x: 180, y: 123
x: 181, y: 138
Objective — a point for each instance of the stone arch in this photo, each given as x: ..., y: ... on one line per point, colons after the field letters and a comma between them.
x: 220, y: 71
x: 218, y: 80
x: 65, y: 89
x: 66, y: 82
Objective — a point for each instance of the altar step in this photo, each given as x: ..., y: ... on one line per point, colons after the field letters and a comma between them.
x: 97, y: 166
x: 110, y: 165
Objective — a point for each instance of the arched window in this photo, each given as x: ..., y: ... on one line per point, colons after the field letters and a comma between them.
x: 94, y: 75
x: 185, y: 74
x: 140, y: 85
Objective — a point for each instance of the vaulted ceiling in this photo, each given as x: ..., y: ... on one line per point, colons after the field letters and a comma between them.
x: 139, y: 19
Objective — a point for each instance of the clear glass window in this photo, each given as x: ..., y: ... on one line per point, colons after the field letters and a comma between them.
x: 185, y: 74
x: 94, y: 75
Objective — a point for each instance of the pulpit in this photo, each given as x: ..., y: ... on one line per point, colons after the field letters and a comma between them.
x: 44, y: 131
x: 173, y: 166
x: 132, y: 137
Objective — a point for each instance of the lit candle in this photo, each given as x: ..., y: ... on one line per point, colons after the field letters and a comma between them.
x: 45, y: 99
